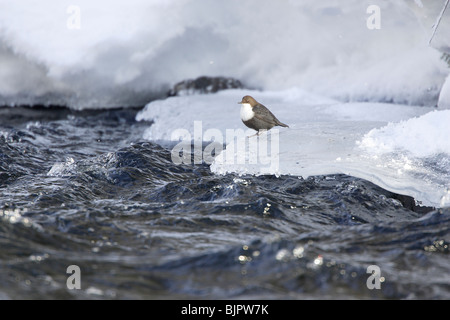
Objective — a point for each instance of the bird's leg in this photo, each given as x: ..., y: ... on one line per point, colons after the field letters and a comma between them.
x: 261, y: 131
x: 258, y: 133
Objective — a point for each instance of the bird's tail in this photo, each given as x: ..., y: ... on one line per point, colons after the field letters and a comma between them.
x: 282, y: 124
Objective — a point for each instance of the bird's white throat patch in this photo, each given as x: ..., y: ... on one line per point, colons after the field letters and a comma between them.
x: 246, y: 112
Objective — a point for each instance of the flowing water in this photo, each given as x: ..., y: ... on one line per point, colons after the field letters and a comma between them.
x: 82, y: 188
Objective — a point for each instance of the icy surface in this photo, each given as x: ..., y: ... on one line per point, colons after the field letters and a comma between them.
x: 96, y: 54
x: 404, y: 149
x: 444, y: 96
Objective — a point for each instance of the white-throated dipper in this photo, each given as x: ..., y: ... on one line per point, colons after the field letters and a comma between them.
x: 256, y: 116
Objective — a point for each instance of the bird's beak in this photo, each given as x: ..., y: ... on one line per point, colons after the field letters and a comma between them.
x: 240, y: 102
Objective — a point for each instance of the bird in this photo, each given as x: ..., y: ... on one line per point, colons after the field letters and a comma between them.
x: 256, y: 116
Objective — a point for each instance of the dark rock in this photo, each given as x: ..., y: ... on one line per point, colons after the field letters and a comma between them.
x: 204, y: 85
x: 409, y: 203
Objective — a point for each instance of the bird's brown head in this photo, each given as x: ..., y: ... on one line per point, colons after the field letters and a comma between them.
x: 249, y: 100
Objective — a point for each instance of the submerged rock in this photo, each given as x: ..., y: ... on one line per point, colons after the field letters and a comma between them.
x: 204, y: 85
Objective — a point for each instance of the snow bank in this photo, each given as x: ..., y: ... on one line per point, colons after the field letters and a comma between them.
x: 424, y: 136
x: 115, y: 53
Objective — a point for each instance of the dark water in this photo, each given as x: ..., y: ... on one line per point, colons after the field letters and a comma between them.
x: 82, y: 188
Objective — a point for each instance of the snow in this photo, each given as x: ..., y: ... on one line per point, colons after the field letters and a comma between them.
x: 98, y: 54
x: 444, y: 95
x: 402, y: 148
x: 423, y: 136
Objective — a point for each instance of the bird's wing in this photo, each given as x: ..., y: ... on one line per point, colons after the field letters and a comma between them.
x: 264, y: 114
